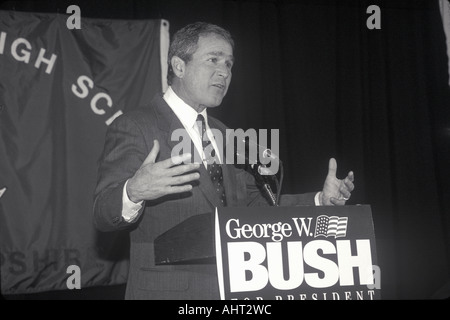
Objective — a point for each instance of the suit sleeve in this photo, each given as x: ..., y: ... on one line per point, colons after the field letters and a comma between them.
x: 256, y: 198
x: 124, y: 151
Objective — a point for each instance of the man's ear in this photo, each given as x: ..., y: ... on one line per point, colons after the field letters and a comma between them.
x: 178, y: 66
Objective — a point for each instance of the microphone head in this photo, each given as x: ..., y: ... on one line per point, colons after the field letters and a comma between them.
x: 267, y: 153
x: 249, y: 153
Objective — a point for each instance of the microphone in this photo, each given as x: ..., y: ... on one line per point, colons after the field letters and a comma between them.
x: 261, y: 171
x: 255, y: 162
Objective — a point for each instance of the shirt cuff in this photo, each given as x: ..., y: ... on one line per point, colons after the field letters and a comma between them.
x: 130, y: 209
x: 316, y: 198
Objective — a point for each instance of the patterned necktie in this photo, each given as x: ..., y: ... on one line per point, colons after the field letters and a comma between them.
x: 214, y: 169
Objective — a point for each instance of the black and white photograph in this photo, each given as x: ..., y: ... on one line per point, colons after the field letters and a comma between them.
x: 245, y: 152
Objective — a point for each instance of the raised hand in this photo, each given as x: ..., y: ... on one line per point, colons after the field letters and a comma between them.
x: 336, y: 191
x: 156, y: 179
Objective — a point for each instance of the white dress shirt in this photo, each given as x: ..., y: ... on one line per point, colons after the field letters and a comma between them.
x: 187, y: 116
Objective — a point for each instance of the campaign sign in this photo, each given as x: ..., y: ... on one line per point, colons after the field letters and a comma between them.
x: 297, y: 253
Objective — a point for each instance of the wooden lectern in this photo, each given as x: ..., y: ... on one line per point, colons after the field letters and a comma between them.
x: 299, y: 252
x: 190, y: 242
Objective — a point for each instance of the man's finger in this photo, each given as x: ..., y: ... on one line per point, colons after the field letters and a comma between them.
x: 175, y: 160
x: 345, y: 193
x: 351, y: 176
x: 349, y: 184
x: 332, y: 167
x: 337, y: 202
x: 182, y: 169
x: 151, y: 158
x: 178, y: 189
x: 184, y: 179
x: 181, y: 159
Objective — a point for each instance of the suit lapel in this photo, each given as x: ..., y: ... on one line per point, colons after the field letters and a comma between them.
x: 207, y: 188
x: 229, y: 182
x: 168, y: 122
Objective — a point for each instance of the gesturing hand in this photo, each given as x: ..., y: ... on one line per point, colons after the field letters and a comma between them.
x: 335, y: 191
x: 156, y: 179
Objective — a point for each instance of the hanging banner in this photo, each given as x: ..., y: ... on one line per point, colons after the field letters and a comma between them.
x: 297, y: 253
x: 444, y: 7
x: 60, y: 88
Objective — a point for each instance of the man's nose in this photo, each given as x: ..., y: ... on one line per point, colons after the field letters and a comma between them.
x: 223, y: 71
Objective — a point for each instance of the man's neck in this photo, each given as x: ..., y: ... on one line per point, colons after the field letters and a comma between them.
x: 180, y: 93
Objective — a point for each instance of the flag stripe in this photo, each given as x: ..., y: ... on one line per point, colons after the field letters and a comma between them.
x: 331, y: 226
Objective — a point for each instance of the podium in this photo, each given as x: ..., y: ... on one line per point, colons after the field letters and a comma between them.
x: 190, y: 242
x: 302, y: 252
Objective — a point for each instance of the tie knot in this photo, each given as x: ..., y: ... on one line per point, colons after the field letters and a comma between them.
x: 201, y: 119
x: 201, y: 123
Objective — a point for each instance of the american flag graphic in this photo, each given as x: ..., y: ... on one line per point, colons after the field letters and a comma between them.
x: 331, y: 226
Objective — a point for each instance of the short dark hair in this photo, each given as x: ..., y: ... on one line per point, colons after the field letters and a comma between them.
x: 185, y: 42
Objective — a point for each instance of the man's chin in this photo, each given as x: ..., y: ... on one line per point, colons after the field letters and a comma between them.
x: 215, y: 103
x: 213, y: 106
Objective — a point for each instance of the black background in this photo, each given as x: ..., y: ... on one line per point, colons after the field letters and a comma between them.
x: 376, y: 100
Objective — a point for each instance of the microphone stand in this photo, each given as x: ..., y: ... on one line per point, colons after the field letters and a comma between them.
x: 263, y: 179
x: 265, y: 183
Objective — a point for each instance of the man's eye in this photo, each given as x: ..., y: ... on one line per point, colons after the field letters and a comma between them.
x: 213, y: 60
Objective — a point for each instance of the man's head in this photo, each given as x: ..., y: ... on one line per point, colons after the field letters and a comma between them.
x: 200, y: 62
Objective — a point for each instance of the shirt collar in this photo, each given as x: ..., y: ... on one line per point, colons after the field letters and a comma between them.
x: 182, y: 110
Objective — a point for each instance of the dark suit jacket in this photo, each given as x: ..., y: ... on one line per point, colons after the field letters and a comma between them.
x: 129, y: 140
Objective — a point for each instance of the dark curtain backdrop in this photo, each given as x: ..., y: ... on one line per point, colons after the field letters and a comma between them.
x: 376, y: 100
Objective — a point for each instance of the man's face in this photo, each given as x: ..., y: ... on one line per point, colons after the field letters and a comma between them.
x: 208, y: 74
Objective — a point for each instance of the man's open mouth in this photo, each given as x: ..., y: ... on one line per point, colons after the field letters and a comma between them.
x: 219, y: 85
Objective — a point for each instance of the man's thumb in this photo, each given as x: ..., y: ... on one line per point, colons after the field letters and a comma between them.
x: 151, y: 158
x: 332, y: 167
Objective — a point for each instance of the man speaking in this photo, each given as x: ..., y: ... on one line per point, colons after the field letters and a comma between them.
x: 143, y: 188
